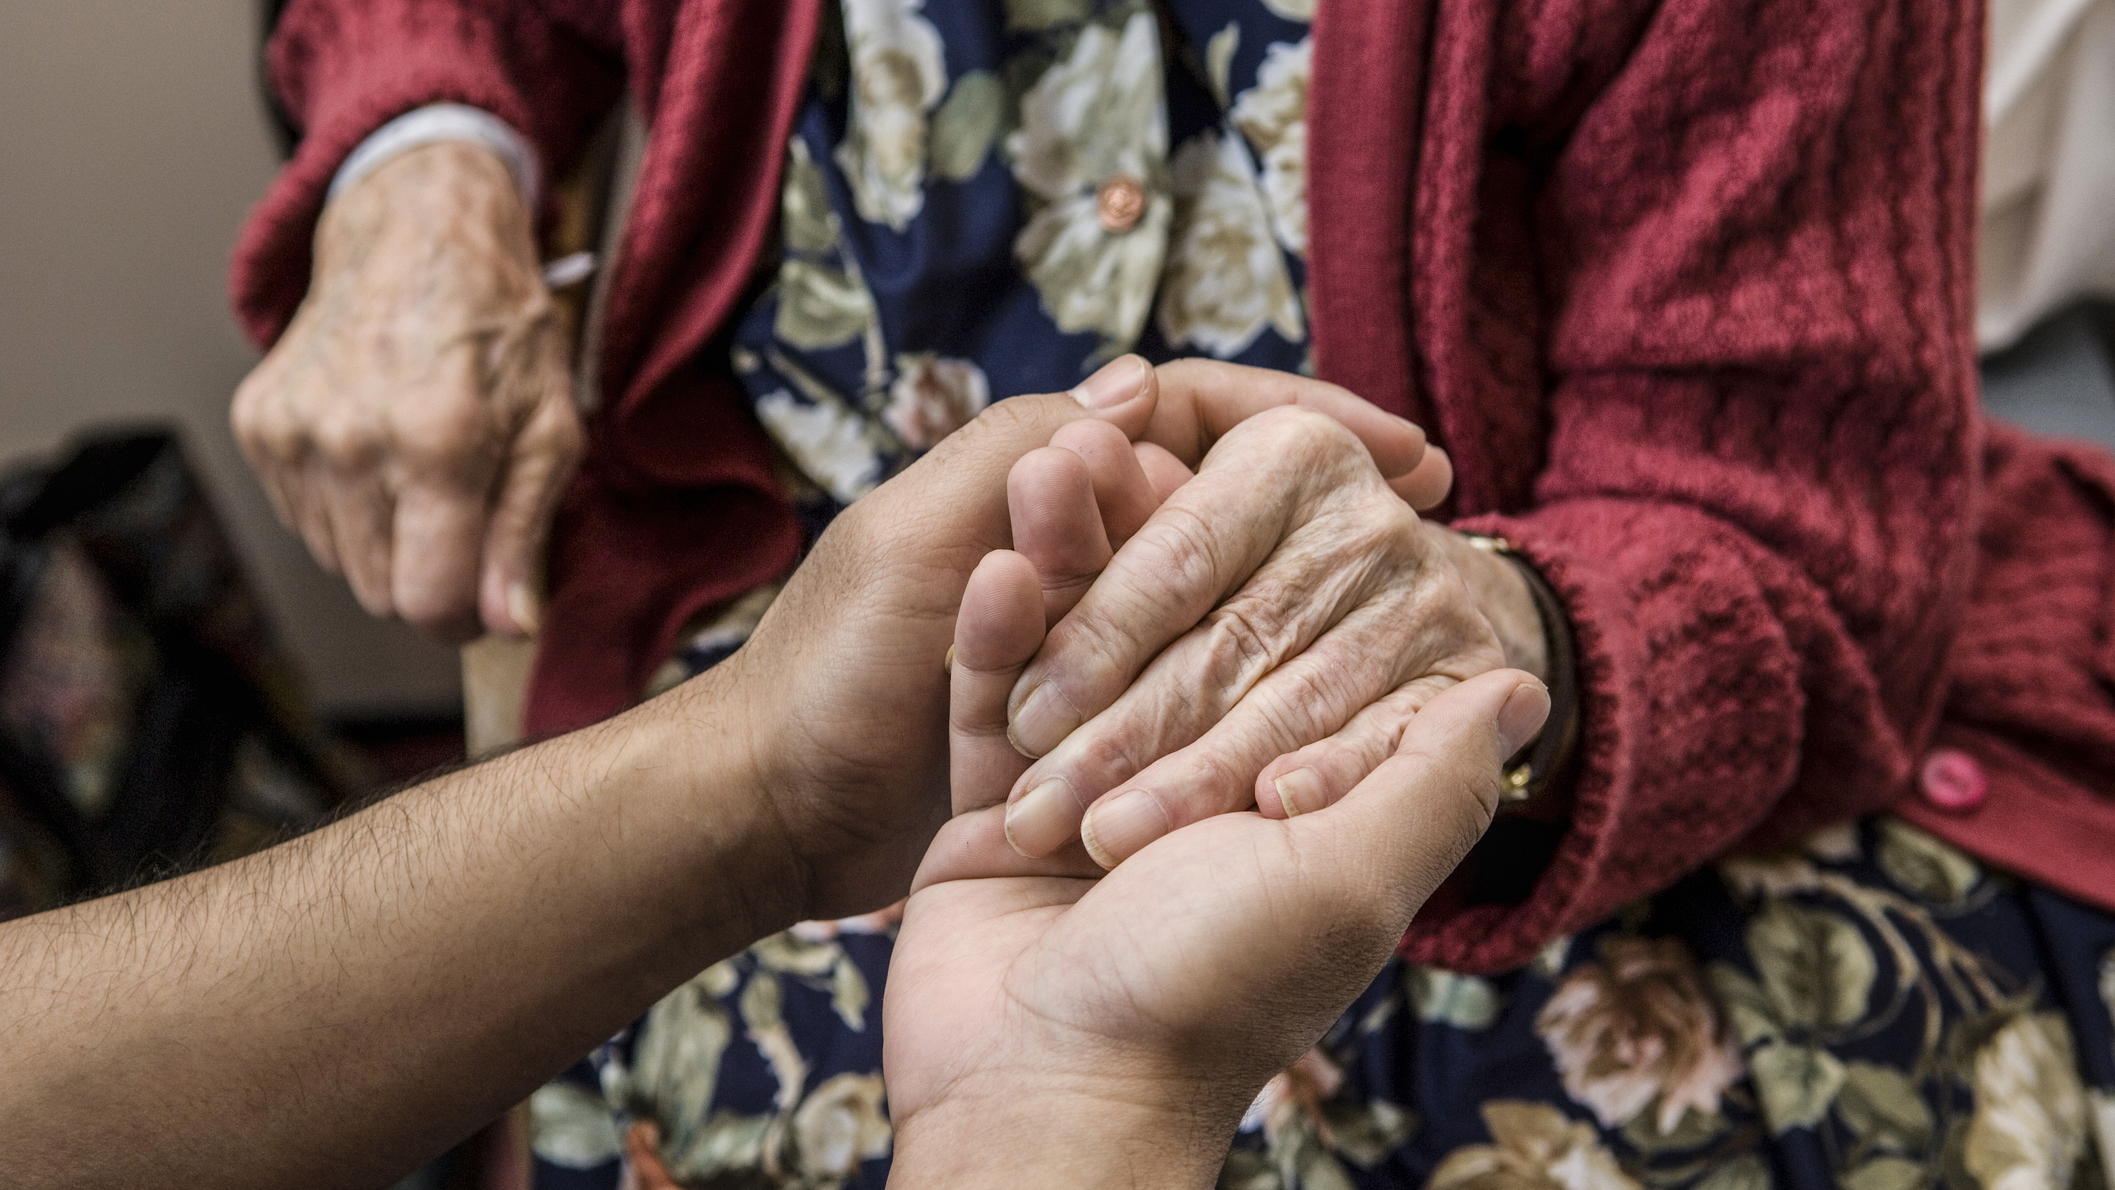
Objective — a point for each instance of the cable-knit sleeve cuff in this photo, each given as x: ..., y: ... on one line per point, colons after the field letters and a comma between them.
x: 1699, y: 656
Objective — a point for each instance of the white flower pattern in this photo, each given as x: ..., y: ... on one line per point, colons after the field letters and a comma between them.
x: 1226, y: 279
x: 839, y: 1125
x: 934, y: 396
x: 898, y: 76
x: 828, y: 441
x: 2029, y: 1128
x: 1273, y: 116
x: 1098, y: 114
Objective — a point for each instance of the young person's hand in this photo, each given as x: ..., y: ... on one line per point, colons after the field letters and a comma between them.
x: 847, y: 673
x: 1049, y: 1027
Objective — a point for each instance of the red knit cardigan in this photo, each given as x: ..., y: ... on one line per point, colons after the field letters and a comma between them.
x: 1685, y: 286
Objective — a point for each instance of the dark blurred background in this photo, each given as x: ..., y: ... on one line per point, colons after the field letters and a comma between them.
x: 134, y: 139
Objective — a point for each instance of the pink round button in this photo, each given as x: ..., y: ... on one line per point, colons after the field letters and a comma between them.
x: 1952, y: 780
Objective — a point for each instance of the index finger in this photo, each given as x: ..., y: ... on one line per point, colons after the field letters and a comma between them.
x: 1200, y: 400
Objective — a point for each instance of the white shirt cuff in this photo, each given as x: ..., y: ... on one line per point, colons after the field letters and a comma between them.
x: 442, y: 122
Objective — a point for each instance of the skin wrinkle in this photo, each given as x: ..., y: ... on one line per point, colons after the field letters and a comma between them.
x: 415, y: 423
x: 1179, y: 545
x: 1354, y: 600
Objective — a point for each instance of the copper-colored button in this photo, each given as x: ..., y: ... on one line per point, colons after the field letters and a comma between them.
x: 1952, y: 780
x: 1120, y: 203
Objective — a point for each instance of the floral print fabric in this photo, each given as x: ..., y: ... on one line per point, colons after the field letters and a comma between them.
x: 1871, y: 1010
x: 987, y: 197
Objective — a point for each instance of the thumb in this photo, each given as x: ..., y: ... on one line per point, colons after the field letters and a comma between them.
x: 955, y: 496
x: 1411, y: 822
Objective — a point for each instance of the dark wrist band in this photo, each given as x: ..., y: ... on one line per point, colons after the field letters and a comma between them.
x: 1536, y: 767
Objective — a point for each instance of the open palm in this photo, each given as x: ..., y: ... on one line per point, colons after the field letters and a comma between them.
x: 1171, y: 988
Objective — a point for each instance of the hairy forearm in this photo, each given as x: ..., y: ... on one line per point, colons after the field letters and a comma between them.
x: 333, y: 1010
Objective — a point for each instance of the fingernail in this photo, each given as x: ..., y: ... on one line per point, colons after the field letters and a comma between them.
x: 1122, y: 826
x: 1118, y: 381
x: 947, y: 664
x: 1039, y: 821
x: 521, y: 605
x: 1299, y: 791
x: 1042, y: 723
x: 1521, y: 717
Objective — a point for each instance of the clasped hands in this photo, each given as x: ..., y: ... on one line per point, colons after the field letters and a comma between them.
x: 1276, y: 630
x: 1156, y: 652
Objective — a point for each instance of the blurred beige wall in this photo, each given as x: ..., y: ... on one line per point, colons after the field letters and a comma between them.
x: 132, y: 140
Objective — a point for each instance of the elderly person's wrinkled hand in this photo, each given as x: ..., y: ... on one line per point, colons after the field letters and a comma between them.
x: 1263, y: 638
x: 415, y: 424
x: 1053, y: 1026
x: 849, y: 665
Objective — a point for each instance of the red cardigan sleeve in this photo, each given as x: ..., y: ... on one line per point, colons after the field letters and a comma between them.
x: 1754, y: 261
x: 343, y: 68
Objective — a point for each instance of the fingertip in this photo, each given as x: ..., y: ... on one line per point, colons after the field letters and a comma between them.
x: 507, y: 605
x: 1521, y: 717
x: 1294, y: 792
x: 524, y: 609
x: 1122, y: 489
x: 1397, y: 444
x: 1164, y: 472
x: 1047, y: 479
x: 1000, y: 623
x: 1483, y: 704
x: 1057, y: 524
x: 1427, y: 485
x: 1117, y: 392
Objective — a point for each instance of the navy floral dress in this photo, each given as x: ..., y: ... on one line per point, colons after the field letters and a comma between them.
x: 995, y: 196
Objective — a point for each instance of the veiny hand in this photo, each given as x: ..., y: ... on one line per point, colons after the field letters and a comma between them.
x: 1263, y: 639
x: 415, y: 424
x: 1066, y: 1030
x: 848, y: 668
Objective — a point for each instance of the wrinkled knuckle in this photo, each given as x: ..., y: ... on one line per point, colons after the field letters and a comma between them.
x: 1083, y: 652
x: 442, y: 438
x: 1211, y: 785
x: 1232, y: 648
x: 1109, y: 755
x: 1186, y: 552
x: 249, y: 396
x: 260, y: 424
x: 1383, y: 529
x: 1007, y: 418
x: 346, y: 442
x: 1244, y: 641
x: 1397, y: 520
x: 1302, y: 695
x: 1314, y: 432
x: 251, y: 427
